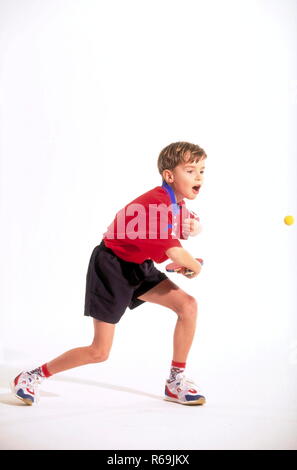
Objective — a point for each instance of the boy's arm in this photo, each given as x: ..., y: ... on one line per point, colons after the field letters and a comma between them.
x: 181, y: 256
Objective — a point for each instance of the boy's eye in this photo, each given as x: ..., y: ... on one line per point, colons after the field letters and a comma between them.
x: 191, y: 171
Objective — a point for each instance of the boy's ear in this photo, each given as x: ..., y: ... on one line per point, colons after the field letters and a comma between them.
x: 167, y: 176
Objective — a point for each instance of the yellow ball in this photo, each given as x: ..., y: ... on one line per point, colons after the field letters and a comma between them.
x: 289, y: 220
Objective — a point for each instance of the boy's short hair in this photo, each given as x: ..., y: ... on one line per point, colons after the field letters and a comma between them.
x: 174, y: 154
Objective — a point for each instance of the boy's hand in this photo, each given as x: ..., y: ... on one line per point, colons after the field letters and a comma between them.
x: 191, y: 227
x: 185, y: 272
x: 183, y: 258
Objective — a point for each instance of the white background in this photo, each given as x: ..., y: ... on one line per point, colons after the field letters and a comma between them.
x: 90, y: 93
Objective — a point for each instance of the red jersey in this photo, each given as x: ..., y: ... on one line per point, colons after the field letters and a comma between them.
x: 156, y: 227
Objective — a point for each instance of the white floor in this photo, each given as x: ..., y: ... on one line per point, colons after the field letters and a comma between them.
x: 108, y: 406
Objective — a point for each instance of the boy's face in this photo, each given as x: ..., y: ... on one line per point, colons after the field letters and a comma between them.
x: 186, y: 179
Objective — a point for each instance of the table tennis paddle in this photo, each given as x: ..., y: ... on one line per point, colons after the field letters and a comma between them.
x: 175, y: 267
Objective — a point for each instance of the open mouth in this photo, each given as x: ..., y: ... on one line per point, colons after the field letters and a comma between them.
x: 196, y: 189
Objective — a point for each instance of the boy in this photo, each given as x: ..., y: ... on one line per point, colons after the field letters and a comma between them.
x: 121, y: 274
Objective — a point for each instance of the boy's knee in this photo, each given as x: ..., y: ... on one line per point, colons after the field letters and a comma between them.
x: 98, y: 355
x: 189, y: 308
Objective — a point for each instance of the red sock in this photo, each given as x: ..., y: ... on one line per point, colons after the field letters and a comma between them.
x: 42, y: 371
x: 176, y: 368
x: 45, y: 371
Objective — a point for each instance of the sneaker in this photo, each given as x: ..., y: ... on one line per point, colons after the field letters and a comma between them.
x: 25, y: 387
x: 183, y: 391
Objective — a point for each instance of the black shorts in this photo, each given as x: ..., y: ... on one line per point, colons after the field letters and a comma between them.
x: 113, y: 284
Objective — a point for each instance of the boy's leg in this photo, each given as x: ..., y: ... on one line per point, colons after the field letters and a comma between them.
x: 169, y: 295
x: 25, y: 385
x: 178, y: 388
x: 98, y: 351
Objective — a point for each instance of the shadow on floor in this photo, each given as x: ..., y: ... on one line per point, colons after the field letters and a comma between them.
x: 108, y: 386
x: 7, y: 373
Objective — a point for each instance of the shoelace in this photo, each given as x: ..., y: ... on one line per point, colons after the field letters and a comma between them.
x: 31, y: 381
x: 184, y: 382
x: 36, y: 378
